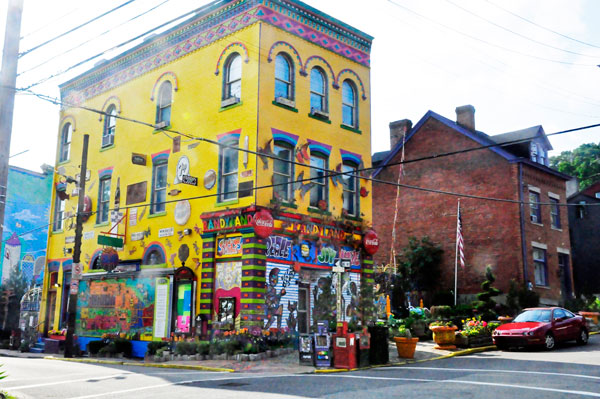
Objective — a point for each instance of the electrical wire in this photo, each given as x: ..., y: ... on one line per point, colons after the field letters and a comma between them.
x: 53, y: 21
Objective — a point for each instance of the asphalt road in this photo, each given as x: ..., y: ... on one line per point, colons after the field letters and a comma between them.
x: 569, y: 371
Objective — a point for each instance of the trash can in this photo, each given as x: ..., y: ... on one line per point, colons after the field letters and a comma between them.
x: 362, y: 349
x: 379, y: 352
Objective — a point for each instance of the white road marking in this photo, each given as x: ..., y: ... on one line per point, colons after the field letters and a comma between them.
x: 494, y: 371
x: 581, y: 393
x: 106, y: 377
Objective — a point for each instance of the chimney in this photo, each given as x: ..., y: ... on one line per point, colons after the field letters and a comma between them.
x: 465, y: 116
x: 397, y: 131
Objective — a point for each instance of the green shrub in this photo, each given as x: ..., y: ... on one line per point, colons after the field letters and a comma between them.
x: 123, y: 346
x: 203, y: 348
x: 528, y: 298
x: 441, y: 312
x: 95, y: 346
x: 109, y: 349
x: 154, y: 346
x: 185, y: 348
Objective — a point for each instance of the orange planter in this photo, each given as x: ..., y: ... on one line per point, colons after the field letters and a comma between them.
x: 443, y: 337
x: 591, y: 315
x: 406, y: 347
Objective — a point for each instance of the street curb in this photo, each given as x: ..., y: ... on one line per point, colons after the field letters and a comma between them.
x: 453, y: 354
x: 595, y: 332
x: 155, y: 365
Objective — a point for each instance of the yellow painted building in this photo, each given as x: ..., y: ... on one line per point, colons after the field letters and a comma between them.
x: 214, y: 235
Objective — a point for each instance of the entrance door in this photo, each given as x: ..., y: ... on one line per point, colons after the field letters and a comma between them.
x: 565, y: 275
x: 303, y: 309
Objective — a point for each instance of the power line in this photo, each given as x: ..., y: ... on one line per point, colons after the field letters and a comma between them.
x: 51, y: 22
x: 75, y: 28
x: 540, y: 26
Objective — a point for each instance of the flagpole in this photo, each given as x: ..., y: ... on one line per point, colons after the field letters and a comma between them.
x: 456, y: 256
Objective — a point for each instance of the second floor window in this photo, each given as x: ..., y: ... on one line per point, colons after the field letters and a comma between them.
x: 318, y: 90
x: 110, y: 123
x: 103, y: 200
x: 65, y: 142
x: 59, y: 214
x: 349, y: 104
x: 233, y: 77
x: 163, y: 105
x: 284, y: 76
x: 535, y: 213
x: 159, y: 188
x: 555, y: 213
x: 318, y: 170
x: 228, y: 172
x: 282, y: 173
x: 350, y: 187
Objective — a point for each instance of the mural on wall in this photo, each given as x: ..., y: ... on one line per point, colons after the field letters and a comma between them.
x: 113, y: 306
x: 27, y: 207
x: 228, y: 283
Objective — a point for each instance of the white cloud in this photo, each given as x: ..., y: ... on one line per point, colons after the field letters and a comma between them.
x: 26, y: 216
x: 28, y: 237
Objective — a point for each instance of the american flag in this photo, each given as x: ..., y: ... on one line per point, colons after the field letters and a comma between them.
x: 459, y: 240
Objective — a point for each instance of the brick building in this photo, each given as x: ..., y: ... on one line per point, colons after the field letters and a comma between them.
x: 584, y: 224
x: 528, y: 243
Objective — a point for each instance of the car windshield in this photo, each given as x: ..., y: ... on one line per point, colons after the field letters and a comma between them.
x: 533, y: 315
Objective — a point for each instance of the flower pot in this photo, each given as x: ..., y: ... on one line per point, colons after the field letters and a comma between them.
x: 406, y: 347
x: 478, y: 342
x: 57, y: 337
x: 461, y: 341
x: 443, y: 337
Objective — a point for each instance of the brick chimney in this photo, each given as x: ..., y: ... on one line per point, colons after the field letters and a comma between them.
x: 397, y: 131
x: 465, y: 116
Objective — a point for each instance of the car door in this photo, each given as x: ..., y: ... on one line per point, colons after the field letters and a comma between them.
x: 573, y: 325
x: 560, y: 325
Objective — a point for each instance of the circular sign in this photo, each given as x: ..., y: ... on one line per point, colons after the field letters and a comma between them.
x: 109, y: 259
x: 210, y: 178
x: 371, y: 242
x: 263, y: 223
x: 183, y: 169
x: 183, y: 209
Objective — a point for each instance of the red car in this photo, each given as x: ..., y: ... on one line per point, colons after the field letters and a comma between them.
x: 541, y: 326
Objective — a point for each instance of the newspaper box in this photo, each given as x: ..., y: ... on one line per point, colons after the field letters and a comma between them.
x: 344, y: 348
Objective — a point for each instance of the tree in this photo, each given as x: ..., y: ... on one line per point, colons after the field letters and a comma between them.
x: 16, y: 285
x: 583, y: 163
x: 485, y: 304
x: 418, y: 265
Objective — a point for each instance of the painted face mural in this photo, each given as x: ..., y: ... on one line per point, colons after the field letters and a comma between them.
x: 272, y: 300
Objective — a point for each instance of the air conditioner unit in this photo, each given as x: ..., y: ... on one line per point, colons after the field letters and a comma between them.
x: 229, y: 101
x: 319, y: 113
x: 161, y: 125
x: 286, y: 102
x: 108, y: 140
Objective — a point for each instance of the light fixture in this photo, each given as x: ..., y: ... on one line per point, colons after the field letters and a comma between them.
x: 56, y: 285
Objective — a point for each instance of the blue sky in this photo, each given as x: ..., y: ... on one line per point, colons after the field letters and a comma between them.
x: 427, y: 55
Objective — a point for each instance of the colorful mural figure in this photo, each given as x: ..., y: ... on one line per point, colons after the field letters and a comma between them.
x: 12, y: 256
x: 273, y: 299
x: 228, y: 283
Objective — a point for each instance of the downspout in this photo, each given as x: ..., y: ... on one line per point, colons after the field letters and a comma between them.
x: 522, y: 223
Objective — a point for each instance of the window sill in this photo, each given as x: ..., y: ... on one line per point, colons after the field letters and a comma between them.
x: 102, y: 224
x: 157, y: 214
x: 108, y: 147
x: 228, y: 107
x: 546, y: 287
x: 284, y: 204
x: 352, y: 218
x: 350, y: 128
x: 557, y: 228
x: 537, y: 224
x: 280, y: 105
x: 326, y: 120
x: 57, y: 232
x: 318, y: 211
x: 162, y: 129
x: 227, y: 203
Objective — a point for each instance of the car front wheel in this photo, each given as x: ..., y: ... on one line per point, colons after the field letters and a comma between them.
x: 549, y: 342
x: 582, y: 339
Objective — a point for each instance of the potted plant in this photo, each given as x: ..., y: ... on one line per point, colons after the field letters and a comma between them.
x: 443, y: 334
x: 475, y: 333
x: 405, y: 343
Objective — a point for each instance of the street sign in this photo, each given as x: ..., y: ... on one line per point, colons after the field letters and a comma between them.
x: 338, y: 269
x: 191, y: 180
x: 110, y: 241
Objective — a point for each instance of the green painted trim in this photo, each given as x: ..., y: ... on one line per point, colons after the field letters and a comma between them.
x: 96, y: 271
x: 346, y: 127
x: 158, y: 266
x: 353, y: 218
x: 103, y: 224
x: 249, y: 301
x: 231, y: 106
x: 284, y: 106
x: 253, y: 267
x: 156, y: 131
x: 207, y: 260
x: 255, y: 256
x: 259, y: 246
x: 320, y: 119
x: 156, y: 215
x: 206, y: 290
x: 110, y: 147
x: 318, y: 211
x: 227, y: 203
x: 57, y: 232
x: 284, y: 204
x: 205, y: 300
x: 367, y: 261
x: 254, y: 290
x: 253, y: 311
x: 254, y: 278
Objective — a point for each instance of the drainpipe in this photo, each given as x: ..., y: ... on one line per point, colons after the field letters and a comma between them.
x: 522, y: 223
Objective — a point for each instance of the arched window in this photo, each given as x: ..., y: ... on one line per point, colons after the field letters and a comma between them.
x: 163, y: 105
x: 155, y: 257
x: 349, y: 104
x: 110, y: 123
x: 318, y: 90
x: 284, y: 77
x: 65, y: 142
x: 232, y: 87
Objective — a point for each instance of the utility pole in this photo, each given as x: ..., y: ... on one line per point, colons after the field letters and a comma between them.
x: 76, y: 269
x: 8, y: 81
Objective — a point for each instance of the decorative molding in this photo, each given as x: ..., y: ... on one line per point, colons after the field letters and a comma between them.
x: 322, y: 148
x: 352, y: 157
x: 285, y: 137
x: 102, y: 173
x: 109, y: 101
x: 161, y: 156
x: 355, y: 75
x: 230, y: 46
x: 64, y: 120
x: 234, y: 135
x: 288, y: 46
x: 324, y: 61
x: 161, y: 79
x: 155, y: 245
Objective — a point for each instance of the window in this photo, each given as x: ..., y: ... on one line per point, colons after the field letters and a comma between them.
x: 542, y: 156
x: 59, y: 212
x: 110, y: 122
x: 581, y: 210
x: 103, y: 200
x: 350, y: 191
x: 283, y: 172
x: 318, y: 90
x: 555, y: 213
x: 233, y: 77
x: 559, y: 314
x: 65, y: 142
x: 318, y: 170
x: 159, y: 187
x: 565, y: 273
x: 284, y: 77
x: 535, y: 212
x: 228, y: 172
x: 534, y: 152
x: 163, y: 105
x: 155, y: 257
x: 349, y: 105
x: 541, y: 272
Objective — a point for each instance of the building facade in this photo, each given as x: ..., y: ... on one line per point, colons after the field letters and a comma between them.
x: 214, y: 235
x: 527, y: 243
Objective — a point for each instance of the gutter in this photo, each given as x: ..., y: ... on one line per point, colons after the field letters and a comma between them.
x: 522, y: 224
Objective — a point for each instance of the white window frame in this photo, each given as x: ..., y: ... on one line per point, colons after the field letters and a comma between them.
x: 288, y: 83
x: 110, y: 125
x: 164, y: 102
x: 321, y: 184
x: 156, y: 205
x: 225, y: 152
x: 229, y: 81
x: 349, y: 193
x: 322, y: 95
x: 103, y: 203
x: 353, y: 106
x: 59, y: 212
x: 286, y: 192
x: 65, y: 142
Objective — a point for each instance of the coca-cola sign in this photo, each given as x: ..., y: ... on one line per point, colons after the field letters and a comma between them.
x: 371, y: 242
x: 263, y: 223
